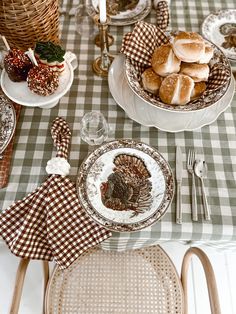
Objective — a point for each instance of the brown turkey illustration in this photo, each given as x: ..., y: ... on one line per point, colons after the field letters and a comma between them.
x: 128, y: 187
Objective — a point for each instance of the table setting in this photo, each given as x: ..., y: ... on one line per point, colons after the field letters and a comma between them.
x: 63, y: 231
x: 140, y: 170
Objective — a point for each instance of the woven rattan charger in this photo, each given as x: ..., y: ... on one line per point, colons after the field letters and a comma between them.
x: 130, y: 282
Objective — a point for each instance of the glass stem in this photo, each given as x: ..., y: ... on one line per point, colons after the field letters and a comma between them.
x: 105, y: 60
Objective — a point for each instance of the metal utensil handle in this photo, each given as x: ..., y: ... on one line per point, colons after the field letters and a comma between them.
x: 205, y: 203
x: 194, y: 200
x: 178, y: 204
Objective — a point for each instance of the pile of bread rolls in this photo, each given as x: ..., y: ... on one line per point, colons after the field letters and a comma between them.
x: 179, y: 69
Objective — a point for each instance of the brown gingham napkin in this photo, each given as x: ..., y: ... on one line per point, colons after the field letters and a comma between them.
x: 162, y: 13
x: 5, y: 162
x: 141, y: 42
x: 49, y: 223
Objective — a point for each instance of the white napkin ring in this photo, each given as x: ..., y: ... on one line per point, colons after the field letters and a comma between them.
x: 58, y: 165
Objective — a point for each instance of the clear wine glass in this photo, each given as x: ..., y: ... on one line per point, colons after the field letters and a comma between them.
x: 94, y: 128
x: 85, y: 25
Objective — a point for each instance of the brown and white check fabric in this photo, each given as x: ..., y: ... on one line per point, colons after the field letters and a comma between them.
x: 162, y: 14
x: 61, y: 135
x: 218, y: 77
x: 139, y: 45
x: 50, y: 223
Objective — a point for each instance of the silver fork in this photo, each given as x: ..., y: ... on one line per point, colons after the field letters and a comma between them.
x: 190, y: 168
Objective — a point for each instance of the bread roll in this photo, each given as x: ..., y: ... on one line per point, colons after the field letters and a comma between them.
x: 198, y: 90
x: 151, y: 81
x: 188, y: 47
x: 198, y: 72
x: 164, y: 61
x: 176, y: 89
x: 208, y: 54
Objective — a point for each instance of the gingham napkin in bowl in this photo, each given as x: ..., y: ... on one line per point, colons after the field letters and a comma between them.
x: 141, y: 42
x: 49, y: 223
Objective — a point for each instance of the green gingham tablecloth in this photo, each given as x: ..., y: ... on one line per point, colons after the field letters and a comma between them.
x: 216, y: 142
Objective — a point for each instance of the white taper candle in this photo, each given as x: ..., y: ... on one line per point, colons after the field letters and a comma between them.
x: 102, y: 11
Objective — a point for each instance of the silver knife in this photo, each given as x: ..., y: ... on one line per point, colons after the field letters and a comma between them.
x: 178, y: 175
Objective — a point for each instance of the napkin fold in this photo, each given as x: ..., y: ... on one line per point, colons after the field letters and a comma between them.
x: 50, y: 223
x: 140, y: 44
x: 162, y: 13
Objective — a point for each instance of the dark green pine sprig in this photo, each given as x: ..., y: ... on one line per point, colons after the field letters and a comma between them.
x: 49, y: 51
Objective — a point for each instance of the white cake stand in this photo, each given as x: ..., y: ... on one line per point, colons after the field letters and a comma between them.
x: 21, y: 94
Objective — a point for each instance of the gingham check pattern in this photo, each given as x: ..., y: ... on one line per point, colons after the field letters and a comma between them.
x: 61, y: 135
x: 162, y: 14
x: 216, y: 142
x: 140, y: 44
x: 218, y: 77
x: 50, y: 223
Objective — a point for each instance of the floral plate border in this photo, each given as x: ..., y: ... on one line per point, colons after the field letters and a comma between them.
x: 119, y: 226
x: 7, y: 122
x: 221, y: 16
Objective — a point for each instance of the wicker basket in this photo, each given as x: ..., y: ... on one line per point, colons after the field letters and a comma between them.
x: 23, y: 22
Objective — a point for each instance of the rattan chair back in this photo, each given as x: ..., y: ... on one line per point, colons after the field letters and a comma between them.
x: 130, y: 282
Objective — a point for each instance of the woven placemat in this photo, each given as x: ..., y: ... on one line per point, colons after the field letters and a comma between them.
x: 5, y: 162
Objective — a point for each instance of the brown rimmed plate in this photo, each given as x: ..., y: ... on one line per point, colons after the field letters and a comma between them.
x: 217, y: 26
x: 7, y: 122
x: 141, y: 211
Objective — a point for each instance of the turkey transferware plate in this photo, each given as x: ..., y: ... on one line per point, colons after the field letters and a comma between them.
x: 125, y: 185
x: 220, y: 28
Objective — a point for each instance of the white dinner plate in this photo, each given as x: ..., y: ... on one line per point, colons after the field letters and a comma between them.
x: 21, y: 94
x: 125, y: 185
x: 7, y: 122
x: 218, y: 25
x: 151, y: 116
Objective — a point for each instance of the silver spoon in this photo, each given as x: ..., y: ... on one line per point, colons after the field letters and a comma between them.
x: 200, y: 168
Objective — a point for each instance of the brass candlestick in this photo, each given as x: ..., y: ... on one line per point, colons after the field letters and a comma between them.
x: 101, y: 64
x: 97, y: 39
